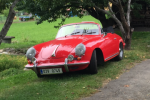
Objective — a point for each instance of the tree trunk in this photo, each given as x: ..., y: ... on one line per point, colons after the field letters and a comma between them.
x: 128, y: 44
x: 9, y: 21
x: 126, y: 24
x: 128, y: 40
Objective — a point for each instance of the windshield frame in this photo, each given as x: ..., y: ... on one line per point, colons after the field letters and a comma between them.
x: 98, y: 26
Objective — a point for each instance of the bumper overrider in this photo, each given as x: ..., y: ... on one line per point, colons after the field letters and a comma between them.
x: 66, y: 65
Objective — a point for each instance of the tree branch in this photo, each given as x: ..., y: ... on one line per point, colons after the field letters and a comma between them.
x: 113, y: 2
x: 110, y: 9
x: 9, y: 20
x: 115, y: 18
x: 128, y: 12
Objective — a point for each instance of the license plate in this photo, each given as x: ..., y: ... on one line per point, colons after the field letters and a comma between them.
x: 51, y: 71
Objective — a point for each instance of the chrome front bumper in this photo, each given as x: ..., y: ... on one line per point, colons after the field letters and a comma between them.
x: 65, y: 64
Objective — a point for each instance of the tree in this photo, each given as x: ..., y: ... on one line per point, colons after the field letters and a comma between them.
x: 3, y: 5
x: 51, y: 10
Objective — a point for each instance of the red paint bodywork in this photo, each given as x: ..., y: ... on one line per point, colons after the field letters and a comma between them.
x: 108, y: 44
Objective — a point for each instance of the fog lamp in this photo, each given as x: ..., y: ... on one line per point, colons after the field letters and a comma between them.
x: 33, y: 59
x: 70, y: 57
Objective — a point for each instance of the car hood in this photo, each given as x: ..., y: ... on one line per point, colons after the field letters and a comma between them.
x: 60, y: 47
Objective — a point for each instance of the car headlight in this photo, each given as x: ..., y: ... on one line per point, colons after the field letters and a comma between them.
x: 30, y: 53
x: 80, y: 49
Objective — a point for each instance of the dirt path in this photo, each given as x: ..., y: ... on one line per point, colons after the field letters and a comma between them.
x: 132, y: 85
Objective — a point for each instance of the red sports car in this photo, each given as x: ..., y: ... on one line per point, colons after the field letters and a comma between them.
x: 77, y: 46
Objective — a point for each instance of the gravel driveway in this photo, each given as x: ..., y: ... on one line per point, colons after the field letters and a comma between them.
x: 132, y: 85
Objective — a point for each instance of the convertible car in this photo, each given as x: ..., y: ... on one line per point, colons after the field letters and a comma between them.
x: 77, y: 46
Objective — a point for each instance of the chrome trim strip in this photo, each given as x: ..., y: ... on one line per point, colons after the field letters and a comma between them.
x: 112, y: 56
x: 60, y: 65
x: 53, y: 54
x: 65, y: 65
x: 51, y: 65
x: 80, y: 63
x: 29, y: 67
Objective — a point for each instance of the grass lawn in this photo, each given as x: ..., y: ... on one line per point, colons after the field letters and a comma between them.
x: 28, y: 33
x: 16, y: 84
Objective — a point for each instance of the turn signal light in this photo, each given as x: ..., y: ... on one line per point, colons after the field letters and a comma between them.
x: 29, y: 62
x: 78, y: 58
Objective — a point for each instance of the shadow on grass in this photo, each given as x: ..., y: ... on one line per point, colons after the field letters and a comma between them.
x: 78, y: 74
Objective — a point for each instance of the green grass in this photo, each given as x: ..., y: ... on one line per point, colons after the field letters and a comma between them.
x: 28, y: 33
x: 16, y: 84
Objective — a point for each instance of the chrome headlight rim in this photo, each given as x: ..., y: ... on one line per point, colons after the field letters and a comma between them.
x: 80, y: 49
x: 70, y: 57
x: 31, y: 52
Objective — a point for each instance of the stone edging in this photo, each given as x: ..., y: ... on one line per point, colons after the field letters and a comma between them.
x: 13, y: 51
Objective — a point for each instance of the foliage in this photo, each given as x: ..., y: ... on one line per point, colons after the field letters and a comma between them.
x: 4, y: 4
x: 6, y: 12
x: 10, y: 72
x: 54, y: 9
x: 8, y: 61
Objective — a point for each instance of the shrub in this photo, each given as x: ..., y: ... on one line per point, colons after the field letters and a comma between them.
x: 11, y: 72
x: 12, y: 61
x: 6, y: 12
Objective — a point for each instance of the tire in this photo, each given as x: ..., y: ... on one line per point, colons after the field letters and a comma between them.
x: 121, y: 52
x: 92, y: 68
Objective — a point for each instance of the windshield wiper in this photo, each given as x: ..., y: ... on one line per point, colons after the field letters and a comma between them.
x: 74, y: 33
x: 90, y: 32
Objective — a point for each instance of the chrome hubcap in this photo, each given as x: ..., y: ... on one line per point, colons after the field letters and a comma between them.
x: 121, y: 52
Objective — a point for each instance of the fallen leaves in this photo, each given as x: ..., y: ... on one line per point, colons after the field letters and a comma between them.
x: 117, y: 77
x: 126, y: 85
x: 106, y: 82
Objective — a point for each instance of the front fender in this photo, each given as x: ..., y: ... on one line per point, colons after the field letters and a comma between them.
x: 90, y: 45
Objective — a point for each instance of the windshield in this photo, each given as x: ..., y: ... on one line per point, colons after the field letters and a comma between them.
x: 78, y: 29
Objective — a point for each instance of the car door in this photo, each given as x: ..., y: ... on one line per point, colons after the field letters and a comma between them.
x: 109, y: 46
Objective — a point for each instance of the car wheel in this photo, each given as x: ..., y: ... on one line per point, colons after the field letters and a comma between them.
x: 120, y: 56
x: 92, y: 68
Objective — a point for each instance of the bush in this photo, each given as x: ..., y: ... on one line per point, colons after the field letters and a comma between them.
x: 6, y: 12
x: 11, y: 72
x: 12, y: 61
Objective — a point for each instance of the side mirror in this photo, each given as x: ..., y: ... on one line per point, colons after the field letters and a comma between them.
x: 105, y: 33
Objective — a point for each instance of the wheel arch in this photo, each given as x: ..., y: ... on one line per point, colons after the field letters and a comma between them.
x: 99, y: 55
x: 121, y: 41
x: 120, y: 44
